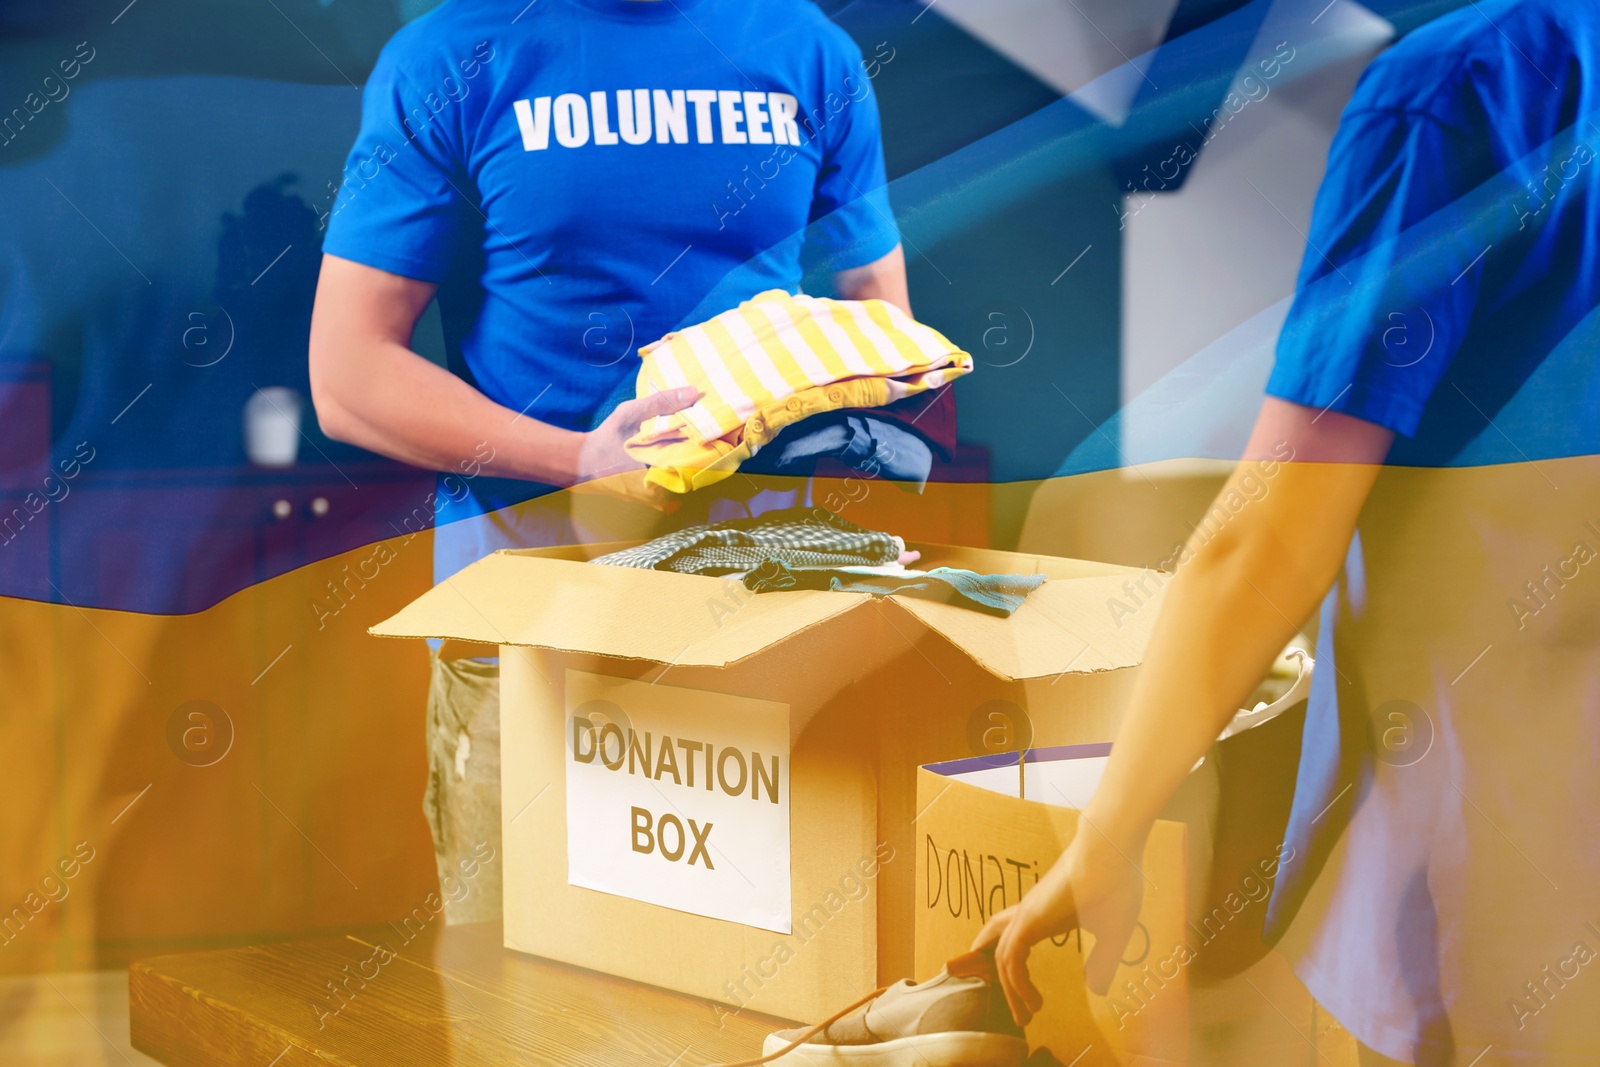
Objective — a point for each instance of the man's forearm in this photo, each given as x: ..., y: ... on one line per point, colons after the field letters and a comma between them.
x: 883, y: 279
x: 371, y: 390
x: 391, y: 401
x: 1239, y: 598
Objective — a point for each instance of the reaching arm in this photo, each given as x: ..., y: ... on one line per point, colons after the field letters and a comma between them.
x: 1241, y: 592
x: 882, y: 279
x: 1237, y: 601
x: 371, y: 390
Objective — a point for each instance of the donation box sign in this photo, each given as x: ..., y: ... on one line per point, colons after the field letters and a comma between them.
x: 679, y: 797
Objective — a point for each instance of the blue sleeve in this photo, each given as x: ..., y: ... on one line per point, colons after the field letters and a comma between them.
x: 401, y: 203
x: 852, y: 222
x: 1390, y: 278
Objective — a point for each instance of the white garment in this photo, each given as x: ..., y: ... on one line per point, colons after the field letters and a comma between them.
x: 1458, y: 915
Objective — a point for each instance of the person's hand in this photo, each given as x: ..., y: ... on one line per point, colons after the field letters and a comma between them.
x: 602, y: 451
x: 1095, y: 887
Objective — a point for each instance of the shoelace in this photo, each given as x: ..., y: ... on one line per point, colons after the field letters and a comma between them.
x: 809, y: 1034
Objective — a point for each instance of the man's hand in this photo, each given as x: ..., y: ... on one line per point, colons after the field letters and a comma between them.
x: 1094, y: 886
x: 602, y: 451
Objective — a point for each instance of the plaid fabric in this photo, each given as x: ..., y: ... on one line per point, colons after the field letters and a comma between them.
x: 800, y: 537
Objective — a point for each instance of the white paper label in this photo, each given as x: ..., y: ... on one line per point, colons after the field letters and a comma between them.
x: 679, y: 797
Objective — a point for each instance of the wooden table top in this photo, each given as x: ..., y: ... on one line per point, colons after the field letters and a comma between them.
x: 452, y: 996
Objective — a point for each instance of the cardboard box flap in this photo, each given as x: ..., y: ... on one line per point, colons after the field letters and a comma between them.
x: 1064, y: 625
x: 518, y: 599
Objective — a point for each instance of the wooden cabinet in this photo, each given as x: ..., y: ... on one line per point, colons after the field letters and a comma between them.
x: 178, y: 541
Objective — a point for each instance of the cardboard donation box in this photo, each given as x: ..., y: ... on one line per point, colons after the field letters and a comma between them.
x: 988, y: 830
x: 714, y: 790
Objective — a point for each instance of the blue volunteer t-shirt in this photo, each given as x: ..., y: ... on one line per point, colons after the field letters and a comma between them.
x: 1452, y: 256
x: 578, y: 176
x: 1452, y: 244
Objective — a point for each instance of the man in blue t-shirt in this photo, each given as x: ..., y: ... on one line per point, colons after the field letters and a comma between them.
x: 573, y: 179
x: 1428, y: 451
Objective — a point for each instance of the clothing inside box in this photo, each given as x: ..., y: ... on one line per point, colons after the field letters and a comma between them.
x: 811, y: 548
x: 844, y: 557
x: 933, y: 555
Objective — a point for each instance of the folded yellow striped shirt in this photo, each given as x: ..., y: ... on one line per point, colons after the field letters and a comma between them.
x: 774, y: 360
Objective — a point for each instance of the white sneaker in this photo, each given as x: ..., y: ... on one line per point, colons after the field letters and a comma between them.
x: 958, y: 1018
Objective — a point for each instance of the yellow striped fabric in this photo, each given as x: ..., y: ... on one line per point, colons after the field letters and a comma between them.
x: 774, y: 360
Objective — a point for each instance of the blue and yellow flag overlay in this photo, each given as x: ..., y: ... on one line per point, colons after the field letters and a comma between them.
x: 203, y: 746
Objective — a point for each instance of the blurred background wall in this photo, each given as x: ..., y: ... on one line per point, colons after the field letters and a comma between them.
x: 184, y: 631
